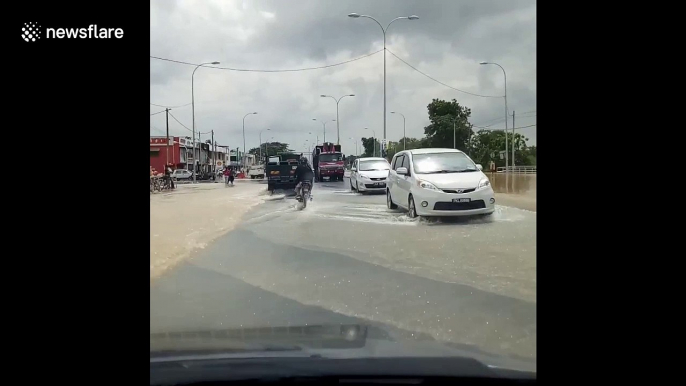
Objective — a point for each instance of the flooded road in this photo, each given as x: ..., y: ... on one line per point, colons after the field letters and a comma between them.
x: 460, y: 281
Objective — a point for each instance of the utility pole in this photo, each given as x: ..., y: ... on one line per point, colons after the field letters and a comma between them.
x: 215, y: 156
x: 167, y: 113
x: 513, y: 139
x: 214, y: 150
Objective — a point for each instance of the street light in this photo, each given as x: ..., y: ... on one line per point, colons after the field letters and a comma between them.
x: 338, y: 129
x: 413, y: 17
x: 404, y: 136
x: 324, y: 124
x: 505, y: 96
x: 193, y: 108
x: 357, y: 153
x: 261, y: 142
x: 244, y: 136
x: 373, y: 151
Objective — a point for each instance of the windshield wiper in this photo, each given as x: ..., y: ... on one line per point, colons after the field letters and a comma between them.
x: 176, y: 351
x: 258, y: 339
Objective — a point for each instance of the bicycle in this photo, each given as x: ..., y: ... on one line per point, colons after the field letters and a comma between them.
x: 155, y: 184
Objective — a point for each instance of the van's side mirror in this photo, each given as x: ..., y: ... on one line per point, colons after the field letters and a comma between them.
x: 479, y: 167
x: 343, y: 157
x: 401, y: 170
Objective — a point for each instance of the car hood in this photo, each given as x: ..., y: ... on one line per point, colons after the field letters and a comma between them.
x: 328, y: 341
x: 374, y: 173
x: 453, y: 180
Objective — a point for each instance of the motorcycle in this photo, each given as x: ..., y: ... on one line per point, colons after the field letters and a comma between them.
x: 305, y: 195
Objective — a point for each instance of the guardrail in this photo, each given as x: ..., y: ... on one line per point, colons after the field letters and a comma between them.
x: 517, y: 169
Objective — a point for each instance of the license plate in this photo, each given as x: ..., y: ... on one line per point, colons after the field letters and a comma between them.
x: 462, y: 199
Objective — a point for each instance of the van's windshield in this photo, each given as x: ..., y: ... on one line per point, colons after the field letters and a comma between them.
x: 429, y: 163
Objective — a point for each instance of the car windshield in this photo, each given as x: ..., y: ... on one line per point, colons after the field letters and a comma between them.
x: 374, y: 165
x: 419, y: 223
x: 330, y: 157
x: 452, y: 162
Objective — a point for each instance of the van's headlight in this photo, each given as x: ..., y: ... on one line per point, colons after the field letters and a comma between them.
x: 364, y: 177
x: 484, y: 183
x: 426, y: 185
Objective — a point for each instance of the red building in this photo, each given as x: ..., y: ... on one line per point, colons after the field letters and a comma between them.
x: 179, y: 154
x: 161, y: 154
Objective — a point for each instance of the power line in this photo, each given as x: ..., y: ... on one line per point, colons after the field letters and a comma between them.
x: 509, y: 128
x: 287, y: 70
x: 171, y: 115
x: 158, y: 112
x: 492, y: 120
x: 438, y: 81
x: 198, y: 133
x: 501, y: 119
x: 171, y: 107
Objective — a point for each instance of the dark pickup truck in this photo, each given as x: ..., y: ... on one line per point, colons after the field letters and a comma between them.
x: 280, y: 171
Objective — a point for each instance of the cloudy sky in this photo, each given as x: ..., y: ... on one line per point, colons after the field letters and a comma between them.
x: 447, y: 42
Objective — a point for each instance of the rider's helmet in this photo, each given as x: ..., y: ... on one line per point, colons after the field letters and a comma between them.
x: 303, y: 161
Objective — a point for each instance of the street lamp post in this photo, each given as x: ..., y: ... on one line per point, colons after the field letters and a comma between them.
x: 373, y: 151
x: 413, y: 17
x: 261, y: 143
x: 193, y: 108
x: 404, y: 136
x: 505, y: 96
x: 244, y: 137
x: 338, y: 129
x: 357, y: 153
x: 324, y: 125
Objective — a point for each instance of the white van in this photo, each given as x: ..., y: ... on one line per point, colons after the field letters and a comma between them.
x: 256, y: 172
x: 438, y: 182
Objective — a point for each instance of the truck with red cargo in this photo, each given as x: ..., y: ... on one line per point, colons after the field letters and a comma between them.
x: 328, y: 162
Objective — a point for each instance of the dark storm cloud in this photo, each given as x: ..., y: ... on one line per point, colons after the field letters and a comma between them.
x: 447, y: 42
x: 315, y: 27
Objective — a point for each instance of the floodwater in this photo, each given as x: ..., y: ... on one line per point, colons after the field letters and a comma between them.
x: 458, y: 281
x: 521, y: 184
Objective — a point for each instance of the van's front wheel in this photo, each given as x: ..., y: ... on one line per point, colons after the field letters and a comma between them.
x: 412, y: 211
x: 389, y: 201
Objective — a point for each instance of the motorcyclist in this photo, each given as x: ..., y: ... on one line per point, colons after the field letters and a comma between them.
x: 302, y: 173
x: 228, y: 176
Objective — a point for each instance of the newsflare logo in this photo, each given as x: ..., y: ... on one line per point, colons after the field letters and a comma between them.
x: 31, y: 32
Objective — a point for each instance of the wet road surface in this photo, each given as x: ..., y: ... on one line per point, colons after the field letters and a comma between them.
x: 346, y: 257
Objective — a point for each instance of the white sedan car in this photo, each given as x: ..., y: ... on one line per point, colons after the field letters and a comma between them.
x: 369, y: 174
x: 438, y: 182
x: 182, y: 174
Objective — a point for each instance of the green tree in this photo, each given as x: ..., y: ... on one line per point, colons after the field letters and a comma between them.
x: 271, y: 148
x: 526, y: 157
x: 368, y: 145
x: 411, y: 143
x: 485, y: 146
x: 443, y: 115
